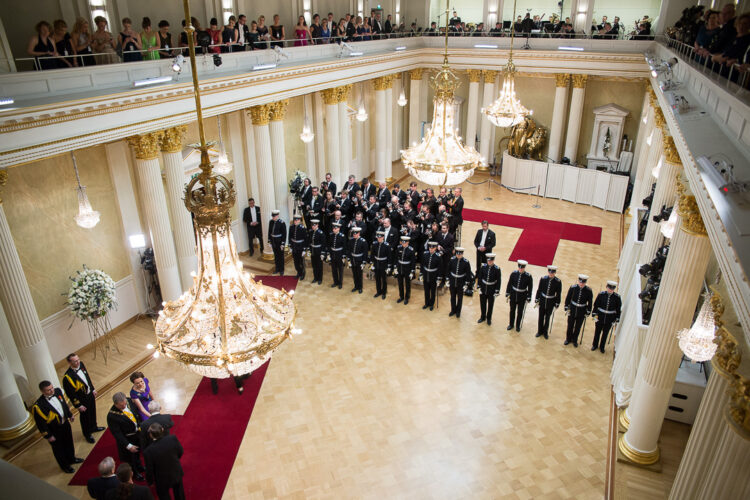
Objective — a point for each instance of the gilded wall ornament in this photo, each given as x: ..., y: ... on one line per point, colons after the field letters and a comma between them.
x: 343, y: 92
x: 3, y: 181
x: 171, y: 142
x: 579, y: 81
x: 259, y: 114
x: 691, y: 221
x: 659, y: 117
x: 416, y: 74
x: 383, y: 82
x: 739, y: 405
x: 489, y: 75
x: 670, y: 151
x: 277, y: 110
x: 146, y: 146
x: 329, y: 96
x: 562, y: 79
x: 474, y: 75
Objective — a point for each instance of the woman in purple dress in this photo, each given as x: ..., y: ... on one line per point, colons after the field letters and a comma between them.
x: 141, y: 393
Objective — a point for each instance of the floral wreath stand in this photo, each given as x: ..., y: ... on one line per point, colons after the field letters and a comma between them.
x: 100, y: 332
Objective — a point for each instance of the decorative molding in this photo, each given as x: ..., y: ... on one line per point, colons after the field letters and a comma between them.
x: 474, y: 75
x: 277, y: 110
x: 383, y: 82
x: 343, y: 92
x: 670, y: 151
x: 146, y: 146
x: 416, y: 73
x: 739, y: 406
x: 171, y: 142
x: 3, y: 181
x: 691, y: 221
x: 329, y: 96
x: 259, y: 114
x: 489, y: 75
x: 659, y: 117
x: 562, y: 79
x: 579, y: 81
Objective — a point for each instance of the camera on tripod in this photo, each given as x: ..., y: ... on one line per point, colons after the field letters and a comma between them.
x: 664, y: 214
x: 148, y: 262
x: 654, y: 268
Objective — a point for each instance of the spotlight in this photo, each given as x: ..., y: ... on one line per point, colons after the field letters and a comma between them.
x: 4, y: 101
x: 280, y: 53
x: 177, y: 63
x: 152, y: 81
x: 264, y: 66
x: 217, y: 60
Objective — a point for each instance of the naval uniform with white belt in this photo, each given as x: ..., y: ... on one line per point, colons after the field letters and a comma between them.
x: 429, y: 270
x: 459, y: 271
x: 380, y: 257
x: 277, y: 238
x: 317, y: 250
x: 607, y: 308
x: 578, y: 305
x: 404, y: 269
x: 489, y: 277
x: 336, y: 253
x: 357, y: 257
x: 518, y: 290
x: 548, y: 297
x: 298, y: 243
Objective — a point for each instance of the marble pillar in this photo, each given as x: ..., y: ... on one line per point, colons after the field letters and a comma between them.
x: 389, y: 103
x: 379, y: 114
x: 681, y: 285
x: 154, y: 204
x: 320, y: 139
x: 277, y: 112
x: 575, y: 118
x: 251, y: 165
x: 310, y: 158
x: 332, y: 129
x: 556, y: 132
x: 485, y: 131
x: 266, y: 192
x: 415, y: 86
x: 472, y: 106
x: 345, y: 134
x: 182, y: 222
x: 664, y: 195
x: 236, y: 139
x: 398, y: 118
x: 21, y: 313
x: 15, y: 421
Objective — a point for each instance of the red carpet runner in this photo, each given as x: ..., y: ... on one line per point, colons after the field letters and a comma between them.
x: 540, y: 237
x: 210, y: 431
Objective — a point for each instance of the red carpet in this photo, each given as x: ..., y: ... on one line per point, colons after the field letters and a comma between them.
x: 540, y: 237
x: 210, y: 431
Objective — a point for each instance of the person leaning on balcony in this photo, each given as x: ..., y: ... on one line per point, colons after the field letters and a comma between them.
x: 215, y: 34
x: 166, y: 45
x: 727, y: 33
x: 42, y: 47
x: 706, y: 34
x: 82, y: 40
x: 103, y: 43
x: 736, y: 51
x: 130, y: 42
x: 278, y: 35
x: 63, y: 44
x: 263, y: 33
x: 149, y: 41
x: 230, y: 36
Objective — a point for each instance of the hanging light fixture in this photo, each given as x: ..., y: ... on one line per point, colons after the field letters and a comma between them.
x: 667, y: 226
x: 697, y: 342
x: 307, y: 135
x: 223, y: 165
x: 507, y: 110
x: 361, y: 112
x: 402, y: 99
x: 441, y: 159
x: 87, y: 217
x: 655, y: 171
x: 226, y: 324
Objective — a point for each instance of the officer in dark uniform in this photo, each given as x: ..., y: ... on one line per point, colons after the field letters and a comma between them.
x: 489, y: 277
x: 404, y: 269
x: 548, y: 297
x: 357, y: 257
x: 518, y: 290
x: 80, y: 390
x: 459, y: 271
x: 277, y: 239
x: 317, y: 250
x: 53, y: 417
x: 446, y: 241
x: 578, y: 306
x: 298, y: 243
x: 607, y: 308
x: 380, y: 257
x: 124, y: 420
x: 336, y: 254
x: 313, y: 207
x: 430, y: 270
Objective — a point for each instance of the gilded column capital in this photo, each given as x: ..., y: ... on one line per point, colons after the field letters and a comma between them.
x: 489, y: 75
x: 416, y: 73
x: 579, y: 81
x: 659, y: 117
x: 3, y: 180
x: 343, y: 93
x: 690, y: 215
x: 562, y: 79
x: 259, y: 114
x: 474, y: 75
x: 383, y: 82
x: 651, y: 94
x: 739, y: 405
x: 329, y: 96
x: 277, y: 110
x: 670, y: 151
x: 146, y: 146
x: 171, y: 142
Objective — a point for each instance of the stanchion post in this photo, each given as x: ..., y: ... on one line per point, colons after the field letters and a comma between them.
x: 536, y: 204
x: 489, y: 189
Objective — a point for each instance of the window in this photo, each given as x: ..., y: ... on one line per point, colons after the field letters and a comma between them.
x: 227, y: 9
x: 99, y: 8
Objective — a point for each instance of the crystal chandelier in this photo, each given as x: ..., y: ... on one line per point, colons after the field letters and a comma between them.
x: 361, y: 112
x: 667, y: 226
x: 307, y: 135
x: 697, y: 342
x: 226, y: 324
x: 507, y: 110
x: 87, y: 217
x: 223, y: 165
x: 402, y: 99
x: 441, y: 159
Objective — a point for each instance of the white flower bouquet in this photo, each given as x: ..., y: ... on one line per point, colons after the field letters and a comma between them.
x: 92, y: 294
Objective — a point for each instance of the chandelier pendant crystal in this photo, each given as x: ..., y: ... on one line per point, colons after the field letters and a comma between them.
x: 87, y: 217
x: 223, y: 165
x: 401, y: 101
x: 697, y: 342
x: 227, y: 324
x: 307, y: 135
x: 441, y: 158
x: 507, y: 110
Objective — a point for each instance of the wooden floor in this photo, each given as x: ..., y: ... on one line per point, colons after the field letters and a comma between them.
x: 380, y: 400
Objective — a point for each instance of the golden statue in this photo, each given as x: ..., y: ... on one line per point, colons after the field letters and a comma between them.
x: 527, y: 140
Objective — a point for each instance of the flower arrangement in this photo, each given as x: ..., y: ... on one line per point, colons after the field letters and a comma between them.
x: 607, y: 143
x: 92, y: 294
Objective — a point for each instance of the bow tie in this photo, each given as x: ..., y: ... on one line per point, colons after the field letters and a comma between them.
x: 50, y: 398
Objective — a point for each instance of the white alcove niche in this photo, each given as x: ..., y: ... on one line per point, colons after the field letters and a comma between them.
x: 608, y: 117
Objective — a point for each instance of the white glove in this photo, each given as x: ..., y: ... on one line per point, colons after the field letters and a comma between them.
x: 395, y: 271
x: 411, y: 275
x: 349, y: 263
x: 328, y: 258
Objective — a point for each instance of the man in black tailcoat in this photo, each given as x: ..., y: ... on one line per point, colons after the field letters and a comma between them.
x: 80, y: 390
x: 548, y: 297
x: 53, y: 417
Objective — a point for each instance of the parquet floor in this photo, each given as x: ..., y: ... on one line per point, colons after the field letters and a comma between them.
x: 380, y: 400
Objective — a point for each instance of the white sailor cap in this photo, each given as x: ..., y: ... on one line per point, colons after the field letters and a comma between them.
x: 583, y: 277
x: 552, y: 269
x: 611, y: 284
x: 432, y: 244
x: 522, y: 263
x: 405, y: 238
x: 297, y: 217
x: 356, y: 229
x: 315, y: 221
x: 336, y: 224
x: 459, y: 250
x: 490, y: 256
x: 274, y: 212
x: 380, y: 234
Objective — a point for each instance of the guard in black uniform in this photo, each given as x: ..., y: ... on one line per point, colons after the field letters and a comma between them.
x: 298, y: 243
x: 459, y: 272
x: 380, y: 257
x: 518, y: 290
x: 548, y: 297
x: 357, y: 257
x: 277, y: 239
x: 80, y: 390
x: 404, y: 269
x: 317, y: 250
x: 430, y: 270
x: 53, y: 417
x: 336, y: 254
x: 489, y: 277
x: 607, y: 308
x: 578, y: 306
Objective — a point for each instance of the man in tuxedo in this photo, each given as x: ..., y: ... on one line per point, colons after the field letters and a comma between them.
x: 277, y: 239
x: 154, y: 408
x: 243, y: 37
x: 401, y: 195
x: 306, y: 194
x: 329, y: 185
x: 123, y: 420
x: 367, y: 189
x: 99, y: 486
x: 80, y: 391
x: 53, y: 417
x: 414, y: 195
x: 351, y: 186
x: 383, y: 195
x: 163, y: 468
x: 388, y: 25
x: 484, y: 241
x: 314, y: 206
x: 125, y: 476
x: 251, y: 218
x: 377, y: 28
x: 457, y: 209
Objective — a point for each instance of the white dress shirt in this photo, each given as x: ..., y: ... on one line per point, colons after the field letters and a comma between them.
x: 56, y: 405
x: 84, y: 379
x: 484, y: 238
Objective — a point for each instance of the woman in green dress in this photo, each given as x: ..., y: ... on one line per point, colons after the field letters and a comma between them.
x: 149, y: 41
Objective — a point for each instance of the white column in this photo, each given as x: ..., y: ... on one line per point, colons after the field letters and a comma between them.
x: 235, y: 141
x: 472, y: 109
x: 277, y: 111
x: 398, y: 118
x: 251, y: 167
x: 182, y: 222
x: 485, y: 130
x: 575, y: 117
x: 381, y: 128
x: 641, y: 173
x: 389, y: 130
x: 154, y: 204
x: 14, y: 419
x: 415, y: 87
x: 345, y: 135
x: 664, y: 195
x: 652, y: 159
x: 558, y: 116
x: 21, y: 313
x: 363, y: 155
x: 320, y: 140
x: 307, y: 101
x: 266, y: 192
x: 681, y: 284
x: 333, y: 152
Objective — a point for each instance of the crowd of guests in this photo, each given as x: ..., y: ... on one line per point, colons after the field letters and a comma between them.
x: 141, y: 431
x: 720, y: 39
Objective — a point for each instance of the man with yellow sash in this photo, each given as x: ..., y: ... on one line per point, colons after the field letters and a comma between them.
x: 53, y: 417
x: 80, y: 391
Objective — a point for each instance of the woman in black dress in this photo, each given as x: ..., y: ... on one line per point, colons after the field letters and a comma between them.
x: 42, y: 47
x: 229, y: 35
x: 253, y: 37
x: 130, y: 42
x: 165, y: 40
x: 63, y: 44
x: 263, y: 34
x: 277, y: 32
